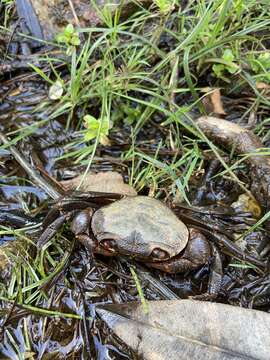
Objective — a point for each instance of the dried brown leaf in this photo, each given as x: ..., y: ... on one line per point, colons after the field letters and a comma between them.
x: 262, y: 85
x: 188, y: 329
x: 213, y: 103
x: 109, y: 181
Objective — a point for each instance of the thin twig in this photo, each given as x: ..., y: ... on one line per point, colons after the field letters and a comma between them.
x: 74, y: 13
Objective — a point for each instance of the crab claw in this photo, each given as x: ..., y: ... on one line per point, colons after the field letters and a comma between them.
x: 81, y: 222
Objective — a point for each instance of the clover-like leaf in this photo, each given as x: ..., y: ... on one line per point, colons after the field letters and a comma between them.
x: 231, y: 66
x: 69, y: 30
x: 226, y: 64
x: 75, y: 40
x: 228, y: 56
x: 218, y: 69
x: 69, y: 36
x: 264, y: 59
x: 61, y: 38
x: 96, y: 127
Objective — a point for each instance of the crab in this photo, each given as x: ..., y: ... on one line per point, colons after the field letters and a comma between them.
x: 140, y: 227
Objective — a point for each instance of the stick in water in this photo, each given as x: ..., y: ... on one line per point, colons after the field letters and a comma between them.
x: 42, y: 183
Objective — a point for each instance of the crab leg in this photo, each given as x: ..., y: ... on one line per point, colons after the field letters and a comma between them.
x: 51, y: 230
x: 231, y: 249
x: 223, y: 240
x: 87, y: 196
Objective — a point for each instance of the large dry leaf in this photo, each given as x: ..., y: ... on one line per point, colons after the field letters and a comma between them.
x: 188, y: 329
x: 109, y: 181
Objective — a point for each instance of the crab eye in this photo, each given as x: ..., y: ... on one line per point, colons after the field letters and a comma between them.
x: 109, y: 245
x: 159, y: 254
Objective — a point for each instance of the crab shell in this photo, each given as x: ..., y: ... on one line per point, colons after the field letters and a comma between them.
x: 138, y: 225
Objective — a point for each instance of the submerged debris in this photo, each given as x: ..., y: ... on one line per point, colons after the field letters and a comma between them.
x: 245, y: 143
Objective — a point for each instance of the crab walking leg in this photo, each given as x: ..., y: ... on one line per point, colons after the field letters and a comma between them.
x: 51, y: 230
x: 223, y: 240
x: 232, y: 249
x: 216, y: 273
x: 59, y: 214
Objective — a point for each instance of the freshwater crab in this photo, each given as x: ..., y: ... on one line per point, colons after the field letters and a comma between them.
x: 136, y: 226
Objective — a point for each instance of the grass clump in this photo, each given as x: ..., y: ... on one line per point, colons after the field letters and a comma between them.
x: 150, y: 71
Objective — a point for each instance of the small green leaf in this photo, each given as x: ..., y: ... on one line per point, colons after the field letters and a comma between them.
x: 89, y: 135
x: 56, y: 90
x: 105, y: 125
x: 88, y: 119
x: 61, y: 38
x: 233, y: 68
x: 218, y: 69
x: 264, y: 59
x: 69, y: 30
x: 95, y: 127
x: 75, y: 40
x: 165, y: 5
x: 228, y: 55
x: 227, y: 65
x: 69, y: 36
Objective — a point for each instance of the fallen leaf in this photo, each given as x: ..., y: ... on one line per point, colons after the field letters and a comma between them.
x: 213, y: 103
x: 188, y: 329
x: 109, y: 181
x: 262, y: 85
